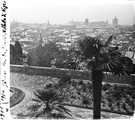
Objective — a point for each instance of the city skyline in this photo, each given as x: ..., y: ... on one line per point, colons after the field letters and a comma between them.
x: 58, y: 11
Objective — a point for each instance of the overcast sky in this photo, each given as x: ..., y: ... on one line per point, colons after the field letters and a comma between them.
x: 63, y: 11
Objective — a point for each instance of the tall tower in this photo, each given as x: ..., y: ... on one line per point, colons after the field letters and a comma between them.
x: 115, y: 21
x: 86, y: 21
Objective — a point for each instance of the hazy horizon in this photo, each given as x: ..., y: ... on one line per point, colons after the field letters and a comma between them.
x: 63, y: 11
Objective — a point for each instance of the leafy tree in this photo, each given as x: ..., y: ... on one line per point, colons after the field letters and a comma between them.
x: 101, y: 57
x: 47, y: 105
x: 15, y: 55
x: 12, y: 50
x: 12, y: 54
x: 42, y: 55
x: 18, y: 49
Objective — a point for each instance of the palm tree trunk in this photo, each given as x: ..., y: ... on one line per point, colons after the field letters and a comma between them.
x: 97, y: 77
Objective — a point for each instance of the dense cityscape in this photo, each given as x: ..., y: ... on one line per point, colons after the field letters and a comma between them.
x: 66, y: 35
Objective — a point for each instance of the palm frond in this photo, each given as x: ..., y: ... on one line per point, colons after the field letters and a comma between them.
x: 112, y: 61
x: 58, y: 97
x: 125, y: 66
x: 36, y: 100
x: 109, y: 41
x: 62, y: 109
x: 72, y: 65
x: 65, y: 109
x: 38, y: 114
x: 89, y: 46
x: 46, y: 94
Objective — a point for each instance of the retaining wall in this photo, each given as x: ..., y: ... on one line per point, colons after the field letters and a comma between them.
x: 78, y: 74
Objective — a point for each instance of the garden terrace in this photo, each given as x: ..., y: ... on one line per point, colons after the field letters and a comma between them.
x: 30, y: 78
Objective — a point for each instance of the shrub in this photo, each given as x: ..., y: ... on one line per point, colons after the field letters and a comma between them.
x: 16, y: 53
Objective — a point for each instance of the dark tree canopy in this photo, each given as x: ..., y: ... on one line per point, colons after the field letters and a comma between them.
x: 16, y: 53
x: 18, y: 49
x: 12, y: 50
x: 42, y: 55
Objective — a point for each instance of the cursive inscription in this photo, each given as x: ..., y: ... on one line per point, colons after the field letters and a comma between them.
x: 4, y: 88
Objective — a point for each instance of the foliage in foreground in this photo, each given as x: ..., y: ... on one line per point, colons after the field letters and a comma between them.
x: 47, y: 105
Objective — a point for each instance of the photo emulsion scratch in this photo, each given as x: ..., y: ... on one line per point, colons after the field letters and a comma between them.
x: 69, y: 59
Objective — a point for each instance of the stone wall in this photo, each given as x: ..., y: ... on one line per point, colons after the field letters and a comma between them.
x: 58, y: 72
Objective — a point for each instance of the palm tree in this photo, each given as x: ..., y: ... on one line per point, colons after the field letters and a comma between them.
x: 101, y: 57
x: 47, y: 105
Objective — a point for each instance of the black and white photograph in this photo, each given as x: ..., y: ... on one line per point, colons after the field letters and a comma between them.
x: 69, y: 59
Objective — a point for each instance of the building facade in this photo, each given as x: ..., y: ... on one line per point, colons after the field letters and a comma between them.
x: 115, y: 21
